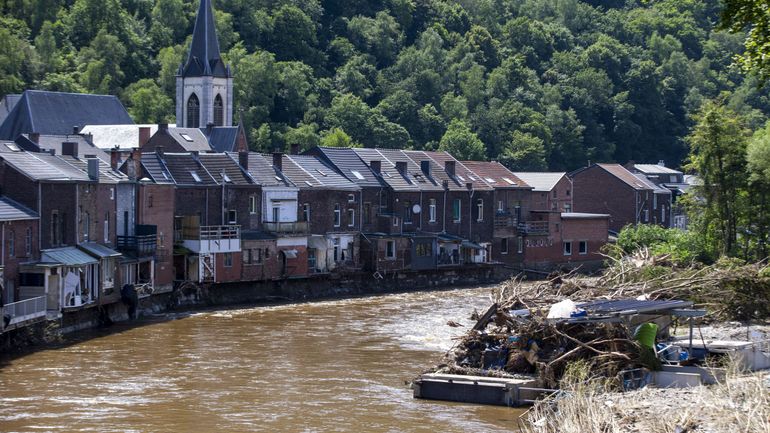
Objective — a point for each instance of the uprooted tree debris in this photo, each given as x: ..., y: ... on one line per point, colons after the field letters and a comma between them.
x: 515, y: 337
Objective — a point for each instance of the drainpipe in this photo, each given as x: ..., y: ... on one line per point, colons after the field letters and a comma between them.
x: 40, y: 213
x: 443, y: 230
x: 360, y: 211
x: 636, y: 209
x: 222, y: 173
x: 422, y: 211
x: 470, y: 213
x: 2, y: 250
x: 206, y: 214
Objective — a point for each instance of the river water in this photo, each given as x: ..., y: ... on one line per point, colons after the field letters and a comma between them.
x: 337, y: 366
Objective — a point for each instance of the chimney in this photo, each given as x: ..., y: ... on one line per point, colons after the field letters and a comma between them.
x: 295, y: 149
x: 425, y: 166
x: 93, y: 168
x: 163, y: 127
x: 114, y: 159
x: 144, y: 135
x: 134, y: 166
x: 159, y: 150
x: 52, y: 152
x: 469, y: 186
x: 35, y: 137
x: 376, y: 166
x: 69, y: 148
x: 401, y: 167
x: 75, y: 130
x: 278, y: 161
x: 449, y: 166
x: 243, y: 160
x: 662, y: 163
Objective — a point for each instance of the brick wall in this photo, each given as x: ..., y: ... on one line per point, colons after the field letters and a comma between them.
x: 550, y: 249
x: 322, y: 202
x: 267, y: 267
x: 597, y: 191
x: 15, y: 250
x: 155, y: 206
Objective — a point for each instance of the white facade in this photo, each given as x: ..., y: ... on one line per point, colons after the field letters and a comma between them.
x: 279, y: 204
x: 206, y: 89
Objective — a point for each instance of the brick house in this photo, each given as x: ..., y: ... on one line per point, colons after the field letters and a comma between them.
x: 331, y: 205
x: 512, y: 200
x: 611, y: 189
x: 672, y: 180
x: 550, y: 190
x: 174, y: 140
x: 567, y: 239
x: 19, y: 228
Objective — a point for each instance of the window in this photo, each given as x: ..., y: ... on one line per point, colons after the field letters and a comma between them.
x: 351, y: 198
x: 367, y: 213
x: 424, y: 249
x: 28, y: 242
x: 276, y: 214
x: 195, y: 177
x: 504, y: 246
x: 232, y: 216
x: 567, y: 248
x: 351, y: 217
x: 646, y: 215
x: 252, y: 256
x: 407, y: 212
x: 555, y: 193
x: 306, y: 212
x: 568, y: 192
x: 395, y: 221
x: 253, y: 204
x: 357, y: 174
x: 337, y: 215
x: 187, y: 138
x: 517, y: 212
x: 583, y: 247
x: 11, y: 243
x: 228, y: 259
x: 456, y: 208
x: 390, y: 250
x: 86, y: 225
x: 112, y: 193
x: 107, y: 227
x: 655, y: 201
x: 149, y: 200
x: 673, y: 178
x: 500, y: 206
x: 193, y: 112
x: 663, y: 213
x: 219, y: 112
x: 520, y: 248
x: 567, y: 207
x: 432, y: 210
x: 480, y: 210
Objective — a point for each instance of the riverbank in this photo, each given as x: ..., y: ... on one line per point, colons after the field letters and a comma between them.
x: 192, y: 297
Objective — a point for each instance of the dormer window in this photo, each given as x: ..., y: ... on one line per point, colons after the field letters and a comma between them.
x: 357, y: 174
x: 186, y: 137
x: 195, y: 177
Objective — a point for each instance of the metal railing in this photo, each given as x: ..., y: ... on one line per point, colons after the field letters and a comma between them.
x: 28, y: 309
x: 534, y: 227
x: 287, y: 227
x: 210, y: 233
x: 139, y: 245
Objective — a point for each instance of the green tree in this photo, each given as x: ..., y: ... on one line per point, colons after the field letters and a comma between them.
x: 147, y: 103
x: 336, y: 137
x: 718, y: 155
x: 739, y: 15
x: 462, y: 143
x: 758, y: 158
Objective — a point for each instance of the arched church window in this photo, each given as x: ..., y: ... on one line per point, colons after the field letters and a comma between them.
x: 219, y: 115
x: 193, y: 112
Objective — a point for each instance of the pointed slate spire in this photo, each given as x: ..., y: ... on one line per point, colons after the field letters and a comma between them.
x: 204, y: 58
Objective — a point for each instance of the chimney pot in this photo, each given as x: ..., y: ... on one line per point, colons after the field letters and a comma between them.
x: 144, y: 135
x: 401, y: 167
x: 376, y: 166
x: 243, y: 160
x: 162, y: 126
x: 449, y: 166
x: 75, y: 130
x: 278, y: 161
x: 114, y: 158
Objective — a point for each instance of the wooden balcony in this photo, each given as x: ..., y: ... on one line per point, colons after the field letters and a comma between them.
x: 211, y: 239
x: 298, y: 227
x: 534, y: 228
x: 142, y: 244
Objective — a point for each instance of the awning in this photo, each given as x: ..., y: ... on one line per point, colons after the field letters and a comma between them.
x: 290, y: 254
x: 99, y: 251
x: 317, y: 241
x: 472, y: 245
x: 68, y: 256
x: 446, y: 238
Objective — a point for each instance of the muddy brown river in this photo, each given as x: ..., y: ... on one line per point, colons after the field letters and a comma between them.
x: 337, y: 366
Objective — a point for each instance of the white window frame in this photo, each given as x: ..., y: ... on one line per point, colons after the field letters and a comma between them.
x: 520, y: 246
x: 567, y: 248
x: 432, y: 210
x: 500, y: 206
x: 504, y: 246
x: 337, y: 215
x: 390, y: 250
x: 232, y: 216
x: 306, y: 211
x: 457, y: 217
x: 351, y: 217
x: 252, y: 204
x: 480, y: 209
x: 583, y: 248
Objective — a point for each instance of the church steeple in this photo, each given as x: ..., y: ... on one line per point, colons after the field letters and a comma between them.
x: 204, y: 84
x: 204, y: 58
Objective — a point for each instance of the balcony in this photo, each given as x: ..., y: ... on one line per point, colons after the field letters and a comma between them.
x: 299, y: 227
x: 25, y: 311
x: 211, y: 239
x: 534, y: 228
x: 143, y: 244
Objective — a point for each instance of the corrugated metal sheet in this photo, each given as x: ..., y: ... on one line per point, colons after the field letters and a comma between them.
x: 70, y: 256
x: 98, y: 250
x: 540, y: 181
x: 42, y: 166
x: 655, y: 169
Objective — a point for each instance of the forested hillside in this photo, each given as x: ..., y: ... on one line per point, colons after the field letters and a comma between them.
x: 536, y: 84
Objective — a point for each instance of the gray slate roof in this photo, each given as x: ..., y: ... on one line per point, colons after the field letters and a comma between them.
x: 13, y: 211
x: 191, y: 139
x: 655, y: 169
x: 204, y: 58
x: 57, y: 113
x: 345, y: 161
x: 463, y: 174
x: 540, y: 181
x: 47, y: 143
x: 186, y: 169
x: 262, y: 171
x: 308, y: 172
x: 7, y: 104
x: 106, y: 173
x: 389, y: 174
x: 216, y: 163
x: 222, y: 138
x: 42, y: 166
x: 155, y: 169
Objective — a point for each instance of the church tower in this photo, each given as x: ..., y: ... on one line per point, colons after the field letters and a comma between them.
x: 204, y: 84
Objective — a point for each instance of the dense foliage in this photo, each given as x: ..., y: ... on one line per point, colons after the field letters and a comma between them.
x: 537, y: 84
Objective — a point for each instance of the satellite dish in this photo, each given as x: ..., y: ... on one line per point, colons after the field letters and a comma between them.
x: 416, y: 208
